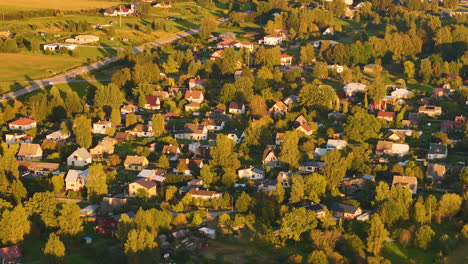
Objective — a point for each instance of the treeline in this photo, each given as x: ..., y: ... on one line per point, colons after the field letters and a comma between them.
x: 20, y: 15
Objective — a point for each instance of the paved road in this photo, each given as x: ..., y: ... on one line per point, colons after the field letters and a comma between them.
x: 69, y: 76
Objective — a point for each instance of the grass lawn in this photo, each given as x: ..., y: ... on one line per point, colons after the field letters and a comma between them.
x: 396, y: 254
x: 19, y: 5
x: 459, y: 254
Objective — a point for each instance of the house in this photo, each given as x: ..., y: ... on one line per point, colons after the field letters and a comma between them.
x: 152, y: 102
x: 329, y: 31
x: 336, y: 68
x: 440, y: 93
x: 244, y: 45
x: 194, y: 96
x: 251, y: 173
x: 161, y: 94
x: 172, y: 152
x: 227, y: 36
x: 10, y: 255
x: 305, y: 128
x: 236, y: 108
x: 83, y: 39
x: 135, y: 163
x: 351, y: 184
x: 142, y: 186
x: 279, y: 108
x: 447, y: 126
x: 236, y: 135
x: 76, y: 180
x: 38, y: 169
x: 272, y: 40
x: 388, y: 116
x: 58, y: 136
x: 311, y: 166
x: 435, y: 171
x: 371, y: 68
x: 105, y: 146
x: 319, y: 209
x: 58, y: 46
x: 437, y: 151
x: 351, y: 88
x: 270, y: 158
x: 338, y: 144
x: 213, y: 124
x: 29, y: 151
x: 110, y: 12
x: 346, y: 211
x: 22, y: 124
x: 101, y: 127
x: 209, y: 232
x: 286, y: 60
x: 391, y: 148
x: 17, y: 138
x: 193, y: 132
x: 292, y: 99
x: 205, y: 194
x: 460, y: 121
x: 141, y: 130
x: 399, y: 135
x: 430, y: 110
x: 191, y: 165
x: 401, y: 93
x: 154, y: 175
x: 163, y: 5
x: 79, y: 158
x: 266, y: 185
x: 409, y: 182
x: 200, y: 83
x: 279, y: 138
x: 320, y: 42
x: 192, y: 107
x: 218, y: 54
x: 225, y: 44
x: 129, y: 108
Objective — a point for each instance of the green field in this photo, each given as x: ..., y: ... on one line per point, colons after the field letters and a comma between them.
x: 20, y: 5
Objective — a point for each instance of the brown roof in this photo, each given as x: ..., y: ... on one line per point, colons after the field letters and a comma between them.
x: 436, y: 170
x: 130, y: 160
x: 384, y: 145
x: 152, y: 100
x: 383, y: 114
x: 281, y: 106
x: 202, y: 192
x: 148, y: 184
x: 267, y: 151
x: 404, y: 180
x: 195, y: 94
x: 169, y: 149
x: 23, y: 121
x: 197, y: 81
x: 194, y: 128
x: 30, y: 165
x: 236, y: 105
x: 28, y: 149
x: 130, y: 108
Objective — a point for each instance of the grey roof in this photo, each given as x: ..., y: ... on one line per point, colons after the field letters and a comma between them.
x: 259, y: 171
x: 437, y: 149
x: 345, y: 208
x: 313, y: 163
x: 72, y: 175
x: 82, y: 153
x: 130, y: 214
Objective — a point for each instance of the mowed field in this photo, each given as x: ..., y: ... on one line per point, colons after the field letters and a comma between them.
x: 55, y: 4
x: 30, y: 66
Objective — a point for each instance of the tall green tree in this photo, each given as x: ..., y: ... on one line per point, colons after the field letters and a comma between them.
x: 208, y: 25
x: 69, y: 220
x: 423, y: 237
x: 307, y: 54
x: 297, y: 189
x: 449, y: 205
x: 290, y: 154
x: 82, y: 131
x: 318, y: 96
x: 139, y: 246
x: 315, y: 186
x: 96, y: 182
x: 223, y: 153
x: 376, y: 236
x: 244, y: 203
x: 158, y: 124
x: 54, y: 249
x: 362, y: 126
x: 296, y: 222
x: 14, y: 225
x: 44, y: 205
x: 335, y: 169
x: 207, y: 175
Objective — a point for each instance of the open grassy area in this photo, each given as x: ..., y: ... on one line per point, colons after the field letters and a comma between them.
x: 55, y: 4
x: 397, y: 254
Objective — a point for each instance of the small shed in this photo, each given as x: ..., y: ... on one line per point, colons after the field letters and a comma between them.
x: 88, y: 240
x: 209, y: 232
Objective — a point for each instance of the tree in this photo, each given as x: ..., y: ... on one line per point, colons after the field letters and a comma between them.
x: 207, y: 26
x: 208, y: 177
x: 44, y: 205
x: 425, y: 70
x: 244, y: 88
x: 130, y: 119
x: 317, y: 257
x: 420, y: 214
x: 125, y: 225
x: 82, y: 131
x: 297, y: 189
x: 376, y: 236
x: 423, y: 237
x: 335, y: 169
x: 296, y: 222
x: 315, y: 187
x: 14, y: 225
x: 158, y: 124
x: 171, y: 65
x: 279, y: 192
x: 228, y: 93
x: 325, y: 240
x: 171, y: 190
x: 223, y: 153
x: 449, y: 205
x: 54, y: 249
x: 258, y: 107
x: 451, y: 4
x: 96, y: 182
x: 229, y: 177
x: 229, y: 61
x: 307, y: 54
x: 35, y: 45
x: 259, y: 133
x: 321, y: 70
x: 163, y: 162
x: 362, y: 126
x: 321, y: 96
x: 140, y: 246
x: 116, y: 118
x: 409, y: 69
x: 244, y: 203
x: 69, y: 220
x: 290, y: 153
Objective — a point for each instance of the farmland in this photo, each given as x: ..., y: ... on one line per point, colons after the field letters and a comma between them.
x: 54, y: 4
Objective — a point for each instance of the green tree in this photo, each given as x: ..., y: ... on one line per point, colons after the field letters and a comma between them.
x: 158, y: 124
x: 126, y: 224
x: 130, y: 119
x: 420, y: 214
x: 296, y: 222
x: 321, y: 70
x: 171, y: 65
x: 14, y: 225
x: 307, y: 54
x: 69, y: 220
x: 376, y: 236
x: 279, y: 192
x: 317, y: 257
x: 140, y: 246
x: 335, y: 169
x: 163, y: 162
x: 82, y: 131
x: 423, y: 237
x: 35, y: 45
x: 409, y: 69
x: 207, y: 176
x: 244, y: 203
x: 449, y: 205
x: 451, y: 4
x: 207, y: 26
x: 229, y: 61
x: 297, y: 189
x: 321, y: 96
x: 54, y: 249
x: 228, y: 93
x: 44, y: 205
x: 315, y: 187
x: 116, y: 118
x: 229, y: 177
x: 425, y: 70
x: 223, y: 153
x: 362, y: 126
x: 171, y: 190
x: 96, y: 182
x: 290, y: 154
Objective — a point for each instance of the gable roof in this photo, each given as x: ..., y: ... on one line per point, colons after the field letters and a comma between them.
x: 435, y: 170
x: 194, y: 128
x: 23, y: 121
x: 404, y: 180
x: 29, y: 149
x: 170, y: 149
x: 146, y: 183
x: 152, y: 100
x: 73, y: 175
x: 345, y: 208
x: 197, y: 81
x: 236, y: 105
x: 384, y: 114
x: 437, y: 148
x: 267, y: 152
x: 195, y: 94
x: 9, y: 253
x: 280, y: 105
x: 129, y: 160
x: 82, y: 153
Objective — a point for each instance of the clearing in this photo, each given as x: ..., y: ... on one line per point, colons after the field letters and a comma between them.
x: 55, y: 4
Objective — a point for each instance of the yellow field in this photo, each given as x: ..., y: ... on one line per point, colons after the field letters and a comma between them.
x: 19, y: 67
x: 56, y: 4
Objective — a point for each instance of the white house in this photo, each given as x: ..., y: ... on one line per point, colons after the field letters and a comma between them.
x: 279, y: 108
x: 329, y: 31
x: 236, y: 135
x: 391, y: 148
x: 23, y: 124
x: 272, y: 40
x: 141, y: 130
x: 251, y: 173
x: 351, y: 88
x: 76, y: 180
x: 401, y: 93
x: 29, y: 151
x: 155, y: 175
x: 17, y: 138
x: 58, y: 136
x: 101, y: 127
x: 409, y: 182
x: 194, y: 96
x: 58, y: 46
x: 197, y: 83
x: 193, y: 132
x: 79, y: 158
x: 286, y: 60
x: 338, y: 144
x: 437, y: 151
x: 236, y: 108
